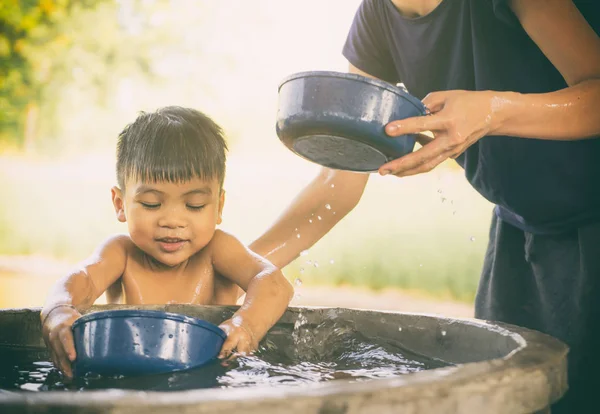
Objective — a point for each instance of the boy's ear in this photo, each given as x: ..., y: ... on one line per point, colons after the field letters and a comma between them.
x: 118, y: 203
x: 221, y: 203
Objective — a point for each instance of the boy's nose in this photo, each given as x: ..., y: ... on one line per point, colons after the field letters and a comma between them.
x: 171, y: 222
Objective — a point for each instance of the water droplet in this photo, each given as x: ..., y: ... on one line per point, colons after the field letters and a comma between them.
x: 454, y: 213
x: 296, y: 229
x: 170, y: 335
x: 309, y: 262
x: 298, y: 282
x: 440, y: 191
x: 443, y: 333
x: 298, y: 236
x: 443, y: 199
x: 327, y: 206
x: 332, y: 261
x: 332, y: 185
x: 334, y: 212
x: 301, y: 270
x: 303, y: 252
x: 319, y: 217
x: 421, y: 265
x: 316, y: 264
x: 399, y: 329
x: 472, y: 238
x: 310, y: 220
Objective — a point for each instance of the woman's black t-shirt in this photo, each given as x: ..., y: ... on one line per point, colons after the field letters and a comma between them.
x: 538, y: 185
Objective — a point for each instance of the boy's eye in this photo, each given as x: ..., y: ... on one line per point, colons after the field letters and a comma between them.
x: 194, y: 207
x: 150, y: 205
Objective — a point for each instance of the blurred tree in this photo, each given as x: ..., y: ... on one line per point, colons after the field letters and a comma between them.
x: 25, y: 26
x: 46, y: 44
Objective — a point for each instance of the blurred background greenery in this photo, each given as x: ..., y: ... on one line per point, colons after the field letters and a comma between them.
x: 73, y: 73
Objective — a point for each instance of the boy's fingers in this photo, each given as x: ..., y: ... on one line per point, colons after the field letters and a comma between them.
x: 66, y: 339
x: 245, y: 347
x: 67, y: 370
x: 55, y: 359
x: 232, y: 357
x: 59, y: 355
x: 228, y: 347
x: 64, y: 365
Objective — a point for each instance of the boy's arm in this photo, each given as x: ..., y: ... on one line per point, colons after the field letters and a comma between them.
x: 78, y: 291
x: 268, y: 292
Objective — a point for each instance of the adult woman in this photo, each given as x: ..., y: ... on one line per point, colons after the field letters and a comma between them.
x: 514, y: 92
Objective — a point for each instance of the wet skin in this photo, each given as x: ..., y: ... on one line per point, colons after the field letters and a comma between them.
x: 172, y: 254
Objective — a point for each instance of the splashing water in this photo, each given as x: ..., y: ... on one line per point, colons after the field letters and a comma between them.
x: 319, y: 217
x: 288, y: 356
x: 327, y: 206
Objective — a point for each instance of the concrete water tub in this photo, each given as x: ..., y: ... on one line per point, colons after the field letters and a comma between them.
x: 498, y: 369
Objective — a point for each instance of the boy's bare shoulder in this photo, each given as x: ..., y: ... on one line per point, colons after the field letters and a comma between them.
x: 222, y: 239
x: 118, y: 242
x: 221, y: 242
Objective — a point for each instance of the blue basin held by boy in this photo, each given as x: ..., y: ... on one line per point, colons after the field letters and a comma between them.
x: 139, y: 342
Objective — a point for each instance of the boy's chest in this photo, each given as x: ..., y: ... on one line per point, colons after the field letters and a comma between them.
x: 194, y: 285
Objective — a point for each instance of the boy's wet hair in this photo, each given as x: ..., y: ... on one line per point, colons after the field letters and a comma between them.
x: 173, y: 144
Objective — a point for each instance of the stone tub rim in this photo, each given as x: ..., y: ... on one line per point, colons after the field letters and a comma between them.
x: 527, y: 379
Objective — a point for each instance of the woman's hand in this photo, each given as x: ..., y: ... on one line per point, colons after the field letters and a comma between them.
x: 457, y: 120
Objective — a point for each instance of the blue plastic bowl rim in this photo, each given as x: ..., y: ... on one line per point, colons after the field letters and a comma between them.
x: 132, y: 313
x: 356, y: 77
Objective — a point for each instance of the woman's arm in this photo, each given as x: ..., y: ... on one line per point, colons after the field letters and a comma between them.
x: 460, y: 118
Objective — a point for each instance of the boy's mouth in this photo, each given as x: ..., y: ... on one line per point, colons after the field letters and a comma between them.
x: 171, y: 244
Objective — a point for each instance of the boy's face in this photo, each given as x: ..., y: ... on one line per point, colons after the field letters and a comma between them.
x: 170, y: 221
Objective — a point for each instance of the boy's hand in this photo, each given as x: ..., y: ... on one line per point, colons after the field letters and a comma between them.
x: 240, y: 339
x: 58, y: 336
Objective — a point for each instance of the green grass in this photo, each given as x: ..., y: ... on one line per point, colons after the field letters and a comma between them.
x: 425, y: 234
